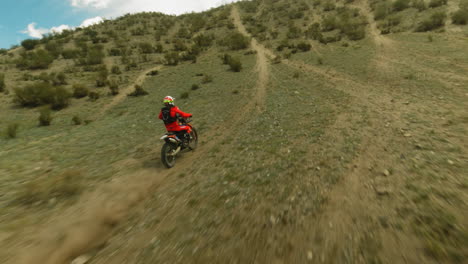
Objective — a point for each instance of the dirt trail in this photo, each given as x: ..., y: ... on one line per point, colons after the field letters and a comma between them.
x: 262, y: 61
x: 123, y: 93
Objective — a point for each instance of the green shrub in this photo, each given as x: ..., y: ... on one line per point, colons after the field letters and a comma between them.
x: 419, y: 5
x: 382, y: 10
x: 460, y: 17
x: 184, y: 95
x: 139, y: 91
x: 226, y: 58
x: 42, y: 93
x: 2, y: 82
x: 146, y: 48
x: 116, y: 69
x: 400, y: 5
x: 437, y: 3
x: 54, y: 48
x: 204, y: 40
x: 93, y: 96
x: 33, y: 60
x: 76, y: 120
x: 45, y: 116
x: 95, y: 56
x: 235, y: 64
x: 113, y: 87
x: 29, y: 44
x: 353, y: 31
x: 207, y: 79
x: 303, y: 46
x: 172, y: 58
x: 329, y: 6
x: 329, y: 23
x: 235, y: 41
x: 153, y: 73
x: 59, y: 79
x: 195, y: 87
x: 435, y: 21
x: 79, y: 90
x: 101, y: 79
x: 71, y: 53
x: 12, y: 130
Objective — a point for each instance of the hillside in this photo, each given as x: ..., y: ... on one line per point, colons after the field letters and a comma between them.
x: 340, y: 139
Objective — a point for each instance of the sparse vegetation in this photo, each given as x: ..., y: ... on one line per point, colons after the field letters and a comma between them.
x: 45, y: 116
x: 459, y: 17
x: 139, y: 91
x: 435, y: 21
x: 80, y: 90
x: 42, y: 93
x: 11, y: 130
x: 2, y: 82
x: 93, y: 96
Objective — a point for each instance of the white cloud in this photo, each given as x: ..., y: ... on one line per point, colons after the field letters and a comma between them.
x: 34, y: 32
x: 115, y: 8
x: 91, y: 21
x: 91, y: 3
x: 60, y: 29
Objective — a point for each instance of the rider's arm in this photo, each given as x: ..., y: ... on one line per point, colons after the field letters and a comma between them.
x: 182, y: 114
x: 160, y: 115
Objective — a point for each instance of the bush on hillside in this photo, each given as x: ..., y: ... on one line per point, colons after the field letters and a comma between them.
x: 93, y: 96
x: 115, y: 52
x: 146, y: 48
x: 184, y: 95
x: 30, y: 44
x: 235, y: 41
x: 329, y: 23
x: 79, y: 90
x: 420, y: 5
x: 42, y: 93
x: 2, y: 82
x: 76, y: 120
x: 382, y: 10
x: 303, y: 46
x: 203, y: 40
x: 54, y: 48
x: 101, y: 79
x: 139, y: 91
x: 400, y: 5
x: 33, y: 60
x: 45, y: 116
x: 437, y: 3
x: 71, y: 53
x: 460, y: 17
x: 94, y: 56
x: 12, y: 130
x: 235, y: 64
x: 172, y: 58
x: 207, y: 79
x: 116, y: 69
x: 435, y: 21
x: 113, y: 87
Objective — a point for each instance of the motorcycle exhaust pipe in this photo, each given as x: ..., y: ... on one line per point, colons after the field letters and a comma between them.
x: 176, y: 151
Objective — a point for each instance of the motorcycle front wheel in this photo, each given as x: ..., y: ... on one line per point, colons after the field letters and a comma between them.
x: 193, y: 144
x: 166, y: 155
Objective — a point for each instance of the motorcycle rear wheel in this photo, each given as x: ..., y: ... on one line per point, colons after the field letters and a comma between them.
x: 167, y: 159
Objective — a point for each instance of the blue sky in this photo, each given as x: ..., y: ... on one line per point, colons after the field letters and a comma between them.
x: 16, y: 15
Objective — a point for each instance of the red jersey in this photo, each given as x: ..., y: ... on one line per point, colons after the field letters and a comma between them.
x: 169, y: 116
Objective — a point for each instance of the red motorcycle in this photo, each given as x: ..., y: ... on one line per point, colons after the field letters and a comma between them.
x: 177, y: 142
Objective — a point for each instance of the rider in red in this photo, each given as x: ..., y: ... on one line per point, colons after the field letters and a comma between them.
x: 169, y: 114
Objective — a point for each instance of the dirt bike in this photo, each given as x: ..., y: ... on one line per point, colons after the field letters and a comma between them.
x: 176, y: 142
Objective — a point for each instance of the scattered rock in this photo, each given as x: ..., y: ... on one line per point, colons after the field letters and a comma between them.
x: 318, y: 168
x: 407, y: 135
x: 296, y: 92
x: 386, y: 172
x: 81, y: 259
x: 450, y: 162
x: 272, y: 220
x: 383, y: 191
x: 310, y: 255
x: 52, y: 201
